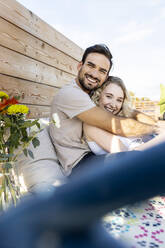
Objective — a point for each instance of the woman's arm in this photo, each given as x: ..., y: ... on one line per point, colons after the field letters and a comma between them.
x: 109, y: 142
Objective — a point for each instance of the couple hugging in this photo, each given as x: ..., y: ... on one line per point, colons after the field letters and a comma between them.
x: 96, y: 120
x: 95, y: 116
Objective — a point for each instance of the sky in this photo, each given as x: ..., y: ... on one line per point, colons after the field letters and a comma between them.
x: 134, y: 30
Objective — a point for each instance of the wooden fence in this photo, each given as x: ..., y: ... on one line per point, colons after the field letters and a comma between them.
x: 35, y: 59
x: 148, y: 107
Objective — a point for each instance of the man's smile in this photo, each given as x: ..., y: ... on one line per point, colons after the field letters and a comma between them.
x: 91, y: 79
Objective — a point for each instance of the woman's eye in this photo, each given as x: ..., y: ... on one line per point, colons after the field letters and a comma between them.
x: 108, y: 96
x: 103, y: 72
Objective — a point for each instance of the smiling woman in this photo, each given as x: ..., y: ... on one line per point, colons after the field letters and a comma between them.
x: 113, y: 97
x: 36, y: 61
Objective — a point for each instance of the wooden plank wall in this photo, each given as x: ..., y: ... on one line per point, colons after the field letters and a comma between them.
x: 35, y: 59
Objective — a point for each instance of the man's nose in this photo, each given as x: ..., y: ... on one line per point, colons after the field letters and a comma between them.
x: 95, y: 73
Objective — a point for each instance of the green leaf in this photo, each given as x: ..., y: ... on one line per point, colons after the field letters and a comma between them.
x: 162, y: 101
x: 35, y: 142
x: 162, y: 108
x: 7, y: 166
x: 7, y: 155
x: 26, y: 124
x: 17, y: 97
x: 3, y: 159
x: 162, y: 91
x: 25, y: 151
x: 38, y: 125
x: 35, y: 122
x: 31, y: 154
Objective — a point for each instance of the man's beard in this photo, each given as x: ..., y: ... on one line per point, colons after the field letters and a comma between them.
x: 85, y: 86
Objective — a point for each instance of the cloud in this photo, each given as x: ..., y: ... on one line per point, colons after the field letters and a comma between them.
x: 134, y: 36
x: 162, y: 13
x: 134, y: 31
x: 81, y: 38
x: 155, y: 2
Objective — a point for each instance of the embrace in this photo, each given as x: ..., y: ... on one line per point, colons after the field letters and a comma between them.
x: 109, y: 155
x: 97, y: 120
x: 96, y: 116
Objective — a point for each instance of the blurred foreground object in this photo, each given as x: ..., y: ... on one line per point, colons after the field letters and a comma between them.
x: 71, y: 213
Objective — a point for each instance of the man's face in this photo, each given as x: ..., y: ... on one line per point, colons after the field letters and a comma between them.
x: 93, y: 72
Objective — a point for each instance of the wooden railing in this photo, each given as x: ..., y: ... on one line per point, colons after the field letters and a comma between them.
x: 35, y: 59
x: 147, y: 106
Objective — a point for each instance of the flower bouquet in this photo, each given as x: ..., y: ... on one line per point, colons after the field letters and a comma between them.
x: 15, y: 138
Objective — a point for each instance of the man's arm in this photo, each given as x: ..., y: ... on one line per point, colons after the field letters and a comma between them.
x: 114, y: 124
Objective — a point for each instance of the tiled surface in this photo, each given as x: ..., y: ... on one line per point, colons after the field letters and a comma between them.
x: 140, y: 225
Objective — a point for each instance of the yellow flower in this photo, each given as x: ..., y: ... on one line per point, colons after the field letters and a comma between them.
x: 3, y: 95
x: 17, y: 109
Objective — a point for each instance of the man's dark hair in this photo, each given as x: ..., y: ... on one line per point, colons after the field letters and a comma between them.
x: 98, y: 48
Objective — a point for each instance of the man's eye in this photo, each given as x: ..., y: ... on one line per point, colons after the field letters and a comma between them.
x: 90, y: 65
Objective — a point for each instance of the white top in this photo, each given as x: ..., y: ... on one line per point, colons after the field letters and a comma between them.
x: 129, y: 143
x: 95, y: 148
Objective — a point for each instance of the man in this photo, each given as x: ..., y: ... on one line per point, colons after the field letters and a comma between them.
x: 74, y: 106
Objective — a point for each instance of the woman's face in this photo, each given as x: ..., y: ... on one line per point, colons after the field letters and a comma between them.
x: 111, y: 98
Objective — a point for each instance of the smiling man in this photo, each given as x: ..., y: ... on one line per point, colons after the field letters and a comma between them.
x: 93, y: 72
x: 74, y: 106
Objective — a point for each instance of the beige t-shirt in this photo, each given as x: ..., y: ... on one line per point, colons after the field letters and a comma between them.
x: 70, y: 101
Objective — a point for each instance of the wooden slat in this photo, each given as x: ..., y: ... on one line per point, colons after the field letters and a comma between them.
x: 25, y: 19
x: 18, y: 40
x: 38, y: 111
x: 35, y: 59
x: 17, y: 65
x: 30, y: 93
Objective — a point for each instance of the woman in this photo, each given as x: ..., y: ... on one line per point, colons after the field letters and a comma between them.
x: 113, y: 97
x: 142, y: 224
